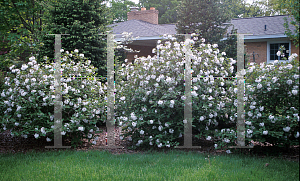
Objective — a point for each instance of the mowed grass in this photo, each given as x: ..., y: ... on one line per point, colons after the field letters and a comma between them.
x: 174, y: 165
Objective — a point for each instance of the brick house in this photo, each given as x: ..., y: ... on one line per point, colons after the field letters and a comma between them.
x: 262, y: 46
x: 143, y: 24
x: 267, y: 36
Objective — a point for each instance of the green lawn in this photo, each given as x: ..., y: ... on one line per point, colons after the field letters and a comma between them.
x: 176, y: 165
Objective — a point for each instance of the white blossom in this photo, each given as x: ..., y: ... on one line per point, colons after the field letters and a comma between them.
x: 289, y: 82
x: 133, y: 124
x: 278, y: 53
x: 286, y: 129
x: 194, y: 93
x: 259, y: 86
x: 250, y: 114
x: 160, y: 128
x: 248, y: 123
x: 36, y: 135
x: 295, y: 92
x: 201, y: 118
x: 226, y: 140
x: 261, y: 108
x: 249, y: 131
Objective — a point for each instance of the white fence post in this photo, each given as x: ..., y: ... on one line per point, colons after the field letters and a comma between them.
x: 188, y: 99
x: 110, y: 122
x: 240, y: 94
x: 58, y: 95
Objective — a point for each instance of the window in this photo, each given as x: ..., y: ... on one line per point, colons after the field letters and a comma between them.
x: 273, y: 48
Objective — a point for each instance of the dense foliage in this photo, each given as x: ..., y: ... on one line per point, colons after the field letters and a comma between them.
x: 150, y: 101
x: 151, y: 97
x: 205, y: 18
x: 27, y: 102
x: 84, y: 21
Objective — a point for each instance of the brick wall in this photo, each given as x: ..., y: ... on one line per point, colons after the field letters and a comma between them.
x: 145, y: 51
x: 150, y: 16
x: 260, y: 50
x: 295, y: 50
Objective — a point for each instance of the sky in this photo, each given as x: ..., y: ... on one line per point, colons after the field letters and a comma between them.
x: 135, y: 1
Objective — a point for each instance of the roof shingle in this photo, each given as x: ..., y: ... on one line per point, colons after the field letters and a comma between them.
x: 142, y: 28
x: 256, y: 25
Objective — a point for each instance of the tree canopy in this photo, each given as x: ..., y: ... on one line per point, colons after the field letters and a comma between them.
x: 167, y: 9
x: 204, y: 17
x: 119, y: 10
x: 21, y: 24
x: 84, y: 21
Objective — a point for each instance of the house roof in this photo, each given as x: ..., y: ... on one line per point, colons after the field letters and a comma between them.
x: 256, y: 26
x: 143, y: 29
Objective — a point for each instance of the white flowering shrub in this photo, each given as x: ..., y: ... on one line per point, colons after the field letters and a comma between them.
x: 272, y: 109
x: 27, y: 101
x: 150, y: 97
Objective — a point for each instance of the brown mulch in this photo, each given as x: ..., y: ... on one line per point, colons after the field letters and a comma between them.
x: 10, y: 144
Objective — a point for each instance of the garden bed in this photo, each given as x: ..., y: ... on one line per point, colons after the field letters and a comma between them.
x: 9, y: 144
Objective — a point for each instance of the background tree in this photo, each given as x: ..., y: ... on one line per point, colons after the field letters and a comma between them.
x: 83, y: 20
x: 119, y: 10
x: 167, y: 9
x: 20, y: 28
x: 21, y: 25
x: 294, y: 14
x: 205, y: 17
x: 242, y: 9
x: 292, y: 8
x: 234, y: 7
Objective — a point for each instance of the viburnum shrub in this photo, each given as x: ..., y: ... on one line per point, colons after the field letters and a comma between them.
x: 150, y: 97
x: 273, y: 102
x: 27, y: 100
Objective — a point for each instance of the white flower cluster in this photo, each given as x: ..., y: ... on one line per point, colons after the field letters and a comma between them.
x: 34, y: 84
x: 164, y: 76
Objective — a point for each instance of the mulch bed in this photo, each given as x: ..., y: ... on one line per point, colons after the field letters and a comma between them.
x: 9, y: 144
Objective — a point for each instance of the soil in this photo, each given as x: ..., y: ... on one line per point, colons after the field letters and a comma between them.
x: 9, y: 144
